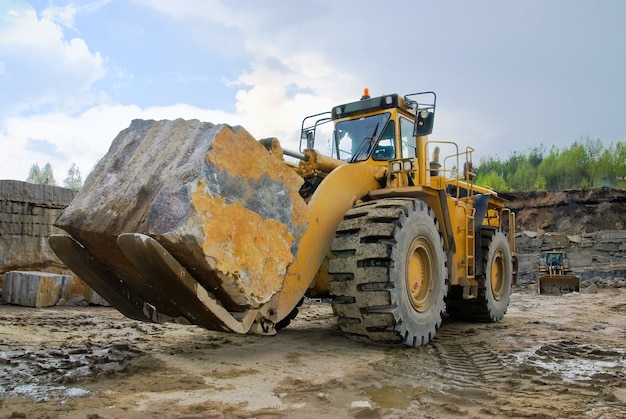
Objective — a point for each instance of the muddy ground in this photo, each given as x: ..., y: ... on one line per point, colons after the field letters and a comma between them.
x: 551, y: 357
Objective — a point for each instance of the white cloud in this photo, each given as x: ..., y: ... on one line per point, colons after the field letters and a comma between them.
x: 283, y: 84
x: 65, y: 16
x: 41, y: 69
x: 83, y: 139
x: 289, y: 60
x: 62, y: 15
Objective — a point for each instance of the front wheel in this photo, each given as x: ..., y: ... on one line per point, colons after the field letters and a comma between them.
x: 388, y: 272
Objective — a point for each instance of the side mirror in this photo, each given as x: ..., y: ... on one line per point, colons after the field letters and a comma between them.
x: 308, y: 137
x: 424, y: 111
x: 424, y: 123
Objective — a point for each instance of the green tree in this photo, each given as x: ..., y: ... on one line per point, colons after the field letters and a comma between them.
x: 583, y: 164
x: 620, y: 158
x: 536, y: 155
x: 574, y: 166
x: 492, y: 180
x: 594, y: 150
x: 34, y: 174
x: 47, y: 175
x: 548, y: 169
x: 540, y: 183
x: 522, y: 177
x: 73, y: 180
x: 39, y: 176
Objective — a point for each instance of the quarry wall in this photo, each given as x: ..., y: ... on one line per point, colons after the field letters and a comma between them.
x: 27, y: 215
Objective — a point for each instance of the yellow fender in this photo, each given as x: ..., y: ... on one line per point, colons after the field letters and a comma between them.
x: 333, y: 198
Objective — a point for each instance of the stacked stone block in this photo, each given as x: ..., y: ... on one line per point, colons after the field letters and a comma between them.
x: 36, y: 289
x: 27, y: 215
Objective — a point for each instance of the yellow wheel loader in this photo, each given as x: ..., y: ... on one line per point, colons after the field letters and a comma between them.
x: 233, y: 243
x: 555, y: 277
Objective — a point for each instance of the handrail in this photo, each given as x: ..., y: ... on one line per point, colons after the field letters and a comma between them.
x: 455, y: 178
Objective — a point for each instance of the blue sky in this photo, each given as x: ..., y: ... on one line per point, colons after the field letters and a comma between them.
x: 510, y: 75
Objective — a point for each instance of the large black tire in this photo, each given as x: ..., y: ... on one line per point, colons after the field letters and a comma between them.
x: 494, y: 285
x: 389, y: 272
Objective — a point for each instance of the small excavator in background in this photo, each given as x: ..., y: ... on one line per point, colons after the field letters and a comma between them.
x: 555, y: 277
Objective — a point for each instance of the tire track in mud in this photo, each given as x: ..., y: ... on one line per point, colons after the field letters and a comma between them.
x: 467, y: 362
x: 583, y: 379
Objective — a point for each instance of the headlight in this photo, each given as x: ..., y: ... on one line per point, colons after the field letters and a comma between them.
x: 396, y: 166
x: 408, y: 165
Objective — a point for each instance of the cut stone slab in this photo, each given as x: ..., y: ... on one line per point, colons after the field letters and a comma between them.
x: 211, y: 195
x: 35, y: 289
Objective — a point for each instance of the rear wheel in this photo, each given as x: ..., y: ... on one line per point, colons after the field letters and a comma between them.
x: 494, y: 287
x: 498, y: 277
x: 388, y: 272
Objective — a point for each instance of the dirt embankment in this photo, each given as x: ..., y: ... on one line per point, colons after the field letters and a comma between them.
x: 588, y: 225
x: 568, y: 212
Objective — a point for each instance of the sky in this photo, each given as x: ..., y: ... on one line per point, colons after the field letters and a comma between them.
x: 509, y: 75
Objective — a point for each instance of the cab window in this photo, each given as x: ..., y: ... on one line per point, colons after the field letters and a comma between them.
x: 409, y: 145
x: 385, y: 149
x: 355, y: 138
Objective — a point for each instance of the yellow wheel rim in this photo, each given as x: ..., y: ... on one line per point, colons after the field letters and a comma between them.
x: 497, y: 275
x: 420, y: 275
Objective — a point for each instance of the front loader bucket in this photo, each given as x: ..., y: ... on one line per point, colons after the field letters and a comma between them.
x: 558, y: 284
x: 186, y: 221
x: 174, y: 291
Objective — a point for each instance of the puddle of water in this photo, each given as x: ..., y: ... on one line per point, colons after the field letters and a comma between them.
x: 40, y: 393
x: 572, y: 362
x: 53, y: 374
x: 392, y: 397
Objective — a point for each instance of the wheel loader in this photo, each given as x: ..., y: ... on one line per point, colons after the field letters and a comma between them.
x: 555, y: 277
x: 393, y: 238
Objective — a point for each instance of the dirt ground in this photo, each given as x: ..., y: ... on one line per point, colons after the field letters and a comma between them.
x: 551, y: 357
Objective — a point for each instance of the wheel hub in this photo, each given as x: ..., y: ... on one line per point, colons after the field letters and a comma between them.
x: 420, y: 275
x: 497, y: 275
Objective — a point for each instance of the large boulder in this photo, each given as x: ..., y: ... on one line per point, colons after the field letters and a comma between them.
x: 212, y: 195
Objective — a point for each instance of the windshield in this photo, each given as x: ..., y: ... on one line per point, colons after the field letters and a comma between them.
x: 355, y: 138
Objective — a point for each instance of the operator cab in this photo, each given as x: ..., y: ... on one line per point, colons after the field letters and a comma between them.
x: 377, y: 129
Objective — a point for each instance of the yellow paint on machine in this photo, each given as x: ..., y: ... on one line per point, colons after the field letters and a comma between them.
x: 332, y: 199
